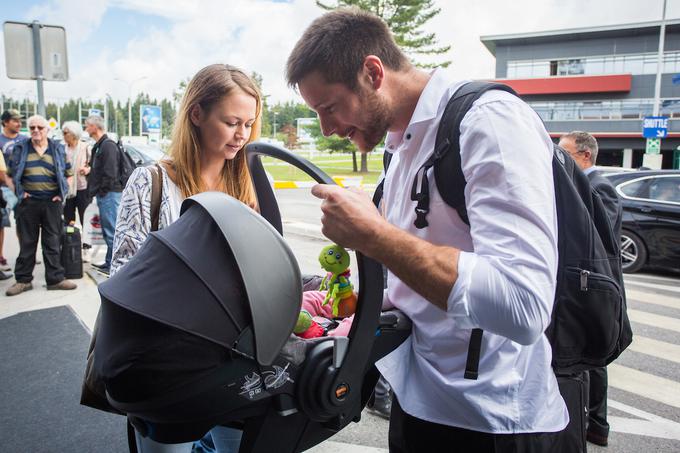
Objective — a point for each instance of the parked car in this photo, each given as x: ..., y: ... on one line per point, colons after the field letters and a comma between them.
x: 651, y: 218
x: 144, y: 155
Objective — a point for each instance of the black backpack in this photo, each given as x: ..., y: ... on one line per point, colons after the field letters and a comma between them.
x: 589, y: 326
x: 126, y: 164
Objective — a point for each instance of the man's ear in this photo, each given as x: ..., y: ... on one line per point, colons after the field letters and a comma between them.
x: 374, y: 71
x: 588, y: 156
x: 196, y: 115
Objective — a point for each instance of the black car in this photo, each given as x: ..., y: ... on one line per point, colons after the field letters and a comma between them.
x: 651, y: 218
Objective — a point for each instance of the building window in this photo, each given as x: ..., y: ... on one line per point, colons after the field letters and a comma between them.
x: 629, y: 109
x: 596, y: 65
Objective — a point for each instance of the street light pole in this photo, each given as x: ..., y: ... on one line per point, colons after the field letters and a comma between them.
x: 275, y: 115
x: 129, y: 84
x: 659, y: 61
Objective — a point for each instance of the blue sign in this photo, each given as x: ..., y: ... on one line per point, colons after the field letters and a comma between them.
x: 95, y: 112
x: 655, y: 127
x: 151, y: 119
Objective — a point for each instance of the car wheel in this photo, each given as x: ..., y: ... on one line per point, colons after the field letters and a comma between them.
x: 633, y: 252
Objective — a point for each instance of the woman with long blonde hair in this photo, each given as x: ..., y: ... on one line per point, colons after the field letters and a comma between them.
x: 218, y: 116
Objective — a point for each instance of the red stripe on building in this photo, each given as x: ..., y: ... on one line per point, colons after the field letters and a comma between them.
x: 571, y: 84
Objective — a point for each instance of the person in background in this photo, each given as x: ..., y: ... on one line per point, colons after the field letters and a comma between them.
x: 40, y: 173
x: 11, y: 125
x: 218, y: 116
x: 104, y: 183
x: 4, y: 219
x: 79, y: 155
x: 582, y: 147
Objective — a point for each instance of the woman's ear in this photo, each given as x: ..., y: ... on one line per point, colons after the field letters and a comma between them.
x: 196, y: 115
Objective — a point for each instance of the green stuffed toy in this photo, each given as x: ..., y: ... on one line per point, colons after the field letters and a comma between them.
x: 335, y: 260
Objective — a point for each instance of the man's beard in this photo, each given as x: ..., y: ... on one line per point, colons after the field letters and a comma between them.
x: 377, y: 120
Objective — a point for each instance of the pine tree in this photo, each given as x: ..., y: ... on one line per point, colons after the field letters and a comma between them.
x: 406, y: 19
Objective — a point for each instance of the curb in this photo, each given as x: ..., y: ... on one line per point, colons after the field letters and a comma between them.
x: 342, y: 181
x: 310, y: 184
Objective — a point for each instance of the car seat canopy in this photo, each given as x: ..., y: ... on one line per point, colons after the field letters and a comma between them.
x: 218, y: 270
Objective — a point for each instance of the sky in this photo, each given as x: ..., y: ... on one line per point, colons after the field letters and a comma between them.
x: 152, y: 45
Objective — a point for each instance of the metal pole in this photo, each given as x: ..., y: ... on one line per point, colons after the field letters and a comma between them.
x: 106, y: 113
x: 130, y: 111
x: 659, y: 64
x: 58, y: 113
x: 80, y: 112
x: 37, y: 58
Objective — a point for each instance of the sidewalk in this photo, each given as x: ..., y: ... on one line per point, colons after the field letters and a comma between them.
x: 84, y: 300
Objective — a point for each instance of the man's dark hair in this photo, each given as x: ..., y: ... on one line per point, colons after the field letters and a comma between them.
x: 336, y: 45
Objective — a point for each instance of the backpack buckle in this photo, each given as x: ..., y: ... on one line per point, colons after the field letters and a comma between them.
x: 421, y: 218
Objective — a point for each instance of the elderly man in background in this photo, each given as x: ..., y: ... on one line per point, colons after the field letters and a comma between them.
x: 582, y: 147
x: 40, y: 174
x: 104, y: 182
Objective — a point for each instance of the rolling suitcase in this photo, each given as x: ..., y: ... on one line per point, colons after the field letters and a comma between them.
x: 71, y: 255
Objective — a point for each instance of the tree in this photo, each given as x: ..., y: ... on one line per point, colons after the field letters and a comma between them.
x: 405, y: 18
x: 290, y: 136
x: 333, y: 143
x: 179, y: 92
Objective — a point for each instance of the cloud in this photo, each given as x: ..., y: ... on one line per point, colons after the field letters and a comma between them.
x: 258, y: 35
x: 80, y: 18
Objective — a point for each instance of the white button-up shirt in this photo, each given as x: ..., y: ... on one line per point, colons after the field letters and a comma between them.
x: 507, y: 270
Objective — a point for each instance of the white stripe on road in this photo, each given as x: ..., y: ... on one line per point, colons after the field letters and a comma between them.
x: 304, y: 227
x: 651, y: 425
x: 650, y: 298
x: 656, y: 348
x: 655, y: 286
x: 650, y: 319
x: 339, y: 447
x: 644, y: 384
x: 659, y: 278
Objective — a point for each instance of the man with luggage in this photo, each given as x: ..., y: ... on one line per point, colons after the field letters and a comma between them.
x: 104, y: 183
x: 40, y: 173
x: 582, y: 147
x: 497, y: 274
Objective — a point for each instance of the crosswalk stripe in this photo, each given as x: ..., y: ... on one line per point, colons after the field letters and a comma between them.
x: 644, y: 384
x: 642, y: 277
x: 656, y: 286
x: 656, y: 348
x: 338, y: 447
x: 656, y: 299
x: 650, y: 319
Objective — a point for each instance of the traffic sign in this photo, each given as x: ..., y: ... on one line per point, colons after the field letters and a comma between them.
x: 653, y: 146
x: 94, y: 112
x: 655, y: 127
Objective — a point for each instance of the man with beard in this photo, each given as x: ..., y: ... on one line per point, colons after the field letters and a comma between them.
x: 497, y: 274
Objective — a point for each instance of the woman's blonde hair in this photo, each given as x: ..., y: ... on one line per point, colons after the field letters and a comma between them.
x: 208, y: 87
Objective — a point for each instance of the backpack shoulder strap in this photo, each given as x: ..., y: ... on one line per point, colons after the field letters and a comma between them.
x: 377, y: 195
x: 156, y: 194
x: 447, y: 165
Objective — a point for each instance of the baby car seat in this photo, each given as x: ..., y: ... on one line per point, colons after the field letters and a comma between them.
x: 195, y: 330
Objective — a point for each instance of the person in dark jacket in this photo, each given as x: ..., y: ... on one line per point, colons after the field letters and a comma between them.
x: 104, y: 182
x: 40, y: 173
x: 583, y: 149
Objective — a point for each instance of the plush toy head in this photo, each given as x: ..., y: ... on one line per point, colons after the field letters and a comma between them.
x: 334, y: 258
x: 304, y: 322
